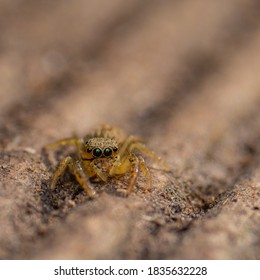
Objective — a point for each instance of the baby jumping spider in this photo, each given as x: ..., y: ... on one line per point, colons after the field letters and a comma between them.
x: 103, y: 153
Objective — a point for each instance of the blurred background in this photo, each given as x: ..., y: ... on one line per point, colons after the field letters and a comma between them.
x: 182, y: 74
x: 75, y: 64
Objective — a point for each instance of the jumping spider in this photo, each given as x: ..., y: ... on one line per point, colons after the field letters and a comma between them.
x: 104, y: 153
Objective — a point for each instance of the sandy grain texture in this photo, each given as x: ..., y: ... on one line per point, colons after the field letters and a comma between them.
x: 184, y: 75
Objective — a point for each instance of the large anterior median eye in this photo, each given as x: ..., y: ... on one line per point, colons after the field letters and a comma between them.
x: 107, y: 152
x: 97, y: 152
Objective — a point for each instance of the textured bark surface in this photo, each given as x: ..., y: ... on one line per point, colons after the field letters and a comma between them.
x: 184, y: 75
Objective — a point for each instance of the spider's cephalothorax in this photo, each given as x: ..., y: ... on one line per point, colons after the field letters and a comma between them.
x: 103, y: 153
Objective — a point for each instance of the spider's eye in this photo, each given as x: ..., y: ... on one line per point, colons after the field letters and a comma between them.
x: 107, y: 152
x: 97, y: 152
x: 89, y: 150
x: 115, y: 149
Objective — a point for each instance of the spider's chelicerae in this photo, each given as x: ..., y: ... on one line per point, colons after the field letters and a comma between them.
x: 103, y: 153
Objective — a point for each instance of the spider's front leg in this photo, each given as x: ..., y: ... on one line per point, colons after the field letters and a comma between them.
x: 146, y: 172
x: 134, y: 170
x: 132, y: 163
x: 97, y: 171
x: 137, y: 163
x: 77, y: 169
x: 126, y: 160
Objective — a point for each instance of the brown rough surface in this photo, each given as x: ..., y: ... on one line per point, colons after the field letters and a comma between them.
x: 182, y: 74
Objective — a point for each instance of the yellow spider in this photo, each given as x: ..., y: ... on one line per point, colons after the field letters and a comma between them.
x: 104, y: 153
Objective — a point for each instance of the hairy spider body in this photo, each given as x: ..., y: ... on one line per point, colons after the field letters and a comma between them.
x: 104, y: 153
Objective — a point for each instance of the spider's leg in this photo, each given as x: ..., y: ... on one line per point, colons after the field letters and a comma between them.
x: 121, y: 164
x: 142, y: 147
x: 133, y: 143
x: 125, y: 161
x: 67, y: 141
x: 59, y: 171
x: 146, y: 172
x: 98, y: 172
x: 77, y: 170
x: 134, y: 170
x: 123, y: 153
